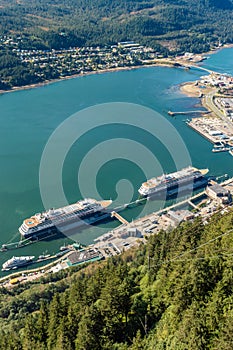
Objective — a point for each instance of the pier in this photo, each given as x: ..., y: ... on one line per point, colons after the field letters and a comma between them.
x: 185, y: 202
x: 172, y: 114
x: 119, y: 217
x: 192, y: 205
x: 182, y: 203
x: 15, y: 245
x: 22, y: 243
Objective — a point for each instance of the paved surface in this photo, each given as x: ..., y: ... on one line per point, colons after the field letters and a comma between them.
x: 209, y: 99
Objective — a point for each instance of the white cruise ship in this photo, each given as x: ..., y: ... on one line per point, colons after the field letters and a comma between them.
x: 186, y: 179
x: 16, y: 262
x: 64, y: 220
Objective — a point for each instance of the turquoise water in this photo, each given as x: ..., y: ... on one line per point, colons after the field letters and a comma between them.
x: 28, y: 118
x: 221, y: 62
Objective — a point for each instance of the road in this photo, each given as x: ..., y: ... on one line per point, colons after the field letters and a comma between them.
x: 209, y: 100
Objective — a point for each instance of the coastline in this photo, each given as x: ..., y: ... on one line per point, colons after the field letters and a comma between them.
x: 191, y: 89
x: 102, y: 71
x: 159, y: 63
x: 126, y: 68
x: 211, y: 52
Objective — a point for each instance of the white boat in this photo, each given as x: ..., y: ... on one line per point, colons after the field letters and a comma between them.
x: 16, y: 262
x: 221, y: 149
x: 170, y: 184
x: 64, y: 220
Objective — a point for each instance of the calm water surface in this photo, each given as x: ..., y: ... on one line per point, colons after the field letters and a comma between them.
x: 28, y: 118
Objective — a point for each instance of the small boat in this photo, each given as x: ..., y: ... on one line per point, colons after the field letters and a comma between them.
x: 218, y: 144
x: 231, y: 152
x: 42, y: 257
x: 62, y: 253
x: 64, y: 247
x: 221, y: 149
x: 17, y: 262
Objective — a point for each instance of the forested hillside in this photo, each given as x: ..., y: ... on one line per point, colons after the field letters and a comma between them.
x: 173, y: 293
x: 168, y: 27
x: 176, y: 24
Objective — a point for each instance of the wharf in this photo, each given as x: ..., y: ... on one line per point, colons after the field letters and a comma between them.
x: 21, y: 244
x: 125, y: 236
x: 213, y: 129
x: 15, y: 245
x: 119, y: 217
x: 201, y: 132
x: 187, y: 112
x: 182, y: 203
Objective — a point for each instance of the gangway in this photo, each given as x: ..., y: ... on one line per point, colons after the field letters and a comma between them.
x: 119, y: 217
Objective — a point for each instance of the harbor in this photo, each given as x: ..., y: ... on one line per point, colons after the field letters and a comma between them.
x: 213, y: 129
x: 70, y: 218
x: 20, y: 199
x: 215, y: 125
x: 214, y: 198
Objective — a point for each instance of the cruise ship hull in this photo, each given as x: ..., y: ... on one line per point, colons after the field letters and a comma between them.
x: 66, y: 228
x: 178, y: 189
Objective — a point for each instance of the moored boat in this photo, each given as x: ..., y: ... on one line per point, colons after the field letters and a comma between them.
x: 17, y: 262
x: 65, y: 220
x: 187, y: 179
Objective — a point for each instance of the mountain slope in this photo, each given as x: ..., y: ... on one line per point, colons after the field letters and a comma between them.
x: 174, y: 293
x: 105, y: 21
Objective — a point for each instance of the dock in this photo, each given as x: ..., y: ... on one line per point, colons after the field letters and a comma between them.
x: 212, y: 129
x: 192, y: 205
x: 22, y: 243
x: 172, y: 114
x: 119, y: 217
x: 15, y: 245
x: 182, y: 203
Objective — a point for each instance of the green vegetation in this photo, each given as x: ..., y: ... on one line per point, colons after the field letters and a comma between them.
x: 102, y: 22
x: 168, y: 26
x: 14, y: 73
x: 175, y: 292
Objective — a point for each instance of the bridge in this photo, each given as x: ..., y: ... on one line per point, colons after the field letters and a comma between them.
x: 201, y: 68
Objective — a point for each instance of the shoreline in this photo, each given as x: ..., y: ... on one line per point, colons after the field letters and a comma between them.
x: 211, y: 52
x: 191, y: 89
x: 112, y: 70
x: 101, y: 71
